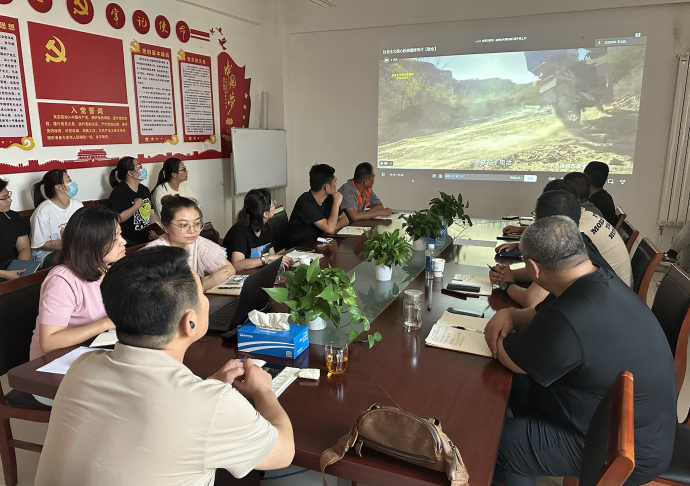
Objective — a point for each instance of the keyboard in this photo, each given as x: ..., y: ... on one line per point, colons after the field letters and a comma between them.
x: 222, y: 318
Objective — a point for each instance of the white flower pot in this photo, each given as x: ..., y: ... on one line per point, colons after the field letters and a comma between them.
x: 419, y: 244
x: 383, y: 272
x: 317, y: 324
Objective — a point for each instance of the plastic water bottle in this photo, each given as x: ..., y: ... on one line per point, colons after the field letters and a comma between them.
x: 430, y: 255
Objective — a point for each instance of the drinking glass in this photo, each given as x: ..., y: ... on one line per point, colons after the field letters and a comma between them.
x: 336, y: 357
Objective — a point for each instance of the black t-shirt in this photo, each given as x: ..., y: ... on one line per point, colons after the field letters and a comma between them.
x: 10, y: 230
x: 578, y: 343
x: 243, y: 239
x: 594, y: 254
x: 305, y: 213
x: 604, y: 201
x: 122, y: 198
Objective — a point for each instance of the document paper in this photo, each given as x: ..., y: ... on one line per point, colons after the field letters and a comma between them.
x: 62, y: 364
x: 352, y: 230
x: 485, y: 285
x: 444, y: 335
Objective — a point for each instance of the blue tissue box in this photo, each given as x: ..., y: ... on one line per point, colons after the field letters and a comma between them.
x: 283, y: 344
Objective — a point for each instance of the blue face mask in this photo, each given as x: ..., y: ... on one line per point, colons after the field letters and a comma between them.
x: 72, y: 189
x: 143, y: 174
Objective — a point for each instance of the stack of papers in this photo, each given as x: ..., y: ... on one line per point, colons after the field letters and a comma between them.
x: 62, y: 364
x: 352, y: 230
x: 107, y: 338
x: 459, y: 333
x: 485, y: 285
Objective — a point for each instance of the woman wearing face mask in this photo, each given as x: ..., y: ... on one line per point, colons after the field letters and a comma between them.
x: 71, y: 310
x: 171, y: 182
x: 14, y: 243
x: 52, y: 213
x: 182, y: 221
x: 132, y: 200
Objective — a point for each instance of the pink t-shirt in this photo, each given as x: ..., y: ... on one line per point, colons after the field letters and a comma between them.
x: 66, y: 301
x: 205, y: 257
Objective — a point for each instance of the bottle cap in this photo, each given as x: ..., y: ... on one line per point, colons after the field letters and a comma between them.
x: 413, y: 295
x: 432, y: 246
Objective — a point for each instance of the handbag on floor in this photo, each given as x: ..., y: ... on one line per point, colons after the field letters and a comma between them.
x: 411, y: 438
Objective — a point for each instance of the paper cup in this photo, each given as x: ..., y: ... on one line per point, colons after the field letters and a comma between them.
x: 305, y: 260
x: 437, y: 264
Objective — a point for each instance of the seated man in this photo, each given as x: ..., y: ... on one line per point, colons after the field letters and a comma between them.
x: 571, y: 349
x: 598, y: 172
x: 317, y: 210
x: 583, y: 186
x: 359, y: 201
x: 137, y: 415
x: 550, y: 203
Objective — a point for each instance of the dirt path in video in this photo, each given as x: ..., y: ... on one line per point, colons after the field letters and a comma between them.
x: 532, y: 138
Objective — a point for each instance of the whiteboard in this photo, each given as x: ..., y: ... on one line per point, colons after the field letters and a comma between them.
x: 259, y: 159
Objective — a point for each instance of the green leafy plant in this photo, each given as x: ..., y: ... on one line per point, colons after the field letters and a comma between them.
x: 316, y: 292
x: 450, y: 208
x: 423, y: 224
x: 386, y: 248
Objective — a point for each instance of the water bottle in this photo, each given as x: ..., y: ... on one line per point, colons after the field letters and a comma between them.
x: 430, y: 255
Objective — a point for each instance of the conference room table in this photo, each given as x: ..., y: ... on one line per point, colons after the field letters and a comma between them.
x: 467, y: 393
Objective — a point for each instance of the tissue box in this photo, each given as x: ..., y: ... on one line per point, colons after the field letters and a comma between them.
x: 272, y: 342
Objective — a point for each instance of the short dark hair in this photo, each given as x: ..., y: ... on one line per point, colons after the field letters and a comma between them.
x: 558, y: 203
x: 175, y: 204
x: 561, y: 185
x: 582, y: 184
x: 3, y: 183
x: 363, y: 171
x: 597, y: 172
x: 320, y: 174
x: 89, y: 235
x: 146, y: 294
x: 554, y: 242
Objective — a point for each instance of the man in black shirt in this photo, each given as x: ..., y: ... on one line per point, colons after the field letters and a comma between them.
x: 317, y: 210
x: 598, y: 172
x: 14, y: 242
x: 571, y: 349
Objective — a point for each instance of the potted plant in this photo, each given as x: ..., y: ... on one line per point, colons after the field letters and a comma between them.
x: 450, y: 209
x: 387, y: 250
x: 312, y: 293
x: 421, y: 225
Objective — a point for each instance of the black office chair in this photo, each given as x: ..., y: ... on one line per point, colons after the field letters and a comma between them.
x: 279, y: 227
x: 644, y: 262
x: 18, y: 307
x: 210, y: 233
x: 629, y: 234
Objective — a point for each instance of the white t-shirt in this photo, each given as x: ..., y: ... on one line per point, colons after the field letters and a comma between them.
x: 609, y: 243
x: 47, y: 223
x: 165, y: 190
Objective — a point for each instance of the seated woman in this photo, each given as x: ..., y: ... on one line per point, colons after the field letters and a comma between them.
x: 52, y: 213
x: 71, y: 309
x: 171, y: 182
x: 131, y: 200
x: 14, y: 243
x: 182, y: 222
x: 249, y: 241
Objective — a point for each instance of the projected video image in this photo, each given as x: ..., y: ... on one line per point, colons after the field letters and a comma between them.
x: 553, y: 110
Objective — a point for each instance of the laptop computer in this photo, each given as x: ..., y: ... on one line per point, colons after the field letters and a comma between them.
x: 227, y: 313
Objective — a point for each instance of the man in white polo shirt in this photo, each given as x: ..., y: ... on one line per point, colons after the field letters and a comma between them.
x: 138, y: 415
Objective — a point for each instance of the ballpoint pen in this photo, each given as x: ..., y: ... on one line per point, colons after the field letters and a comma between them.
x: 468, y: 329
x: 490, y: 267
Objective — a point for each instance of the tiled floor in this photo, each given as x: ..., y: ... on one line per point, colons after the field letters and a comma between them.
x: 28, y: 461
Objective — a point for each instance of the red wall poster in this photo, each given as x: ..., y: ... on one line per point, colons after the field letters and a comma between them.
x: 83, y: 124
x: 197, y: 97
x: 154, y: 92
x: 15, y: 127
x: 231, y: 96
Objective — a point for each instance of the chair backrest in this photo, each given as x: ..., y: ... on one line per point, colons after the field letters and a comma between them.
x: 644, y: 261
x: 671, y: 307
x: 279, y: 227
x: 609, y: 454
x: 210, y: 233
x: 19, y: 308
x: 621, y: 216
x: 628, y: 234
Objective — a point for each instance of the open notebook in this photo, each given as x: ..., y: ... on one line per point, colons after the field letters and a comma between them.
x: 459, y: 333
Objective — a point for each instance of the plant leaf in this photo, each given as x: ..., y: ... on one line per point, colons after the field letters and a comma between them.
x: 371, y: 341
x: 279, y: 294
x: 377, y: 336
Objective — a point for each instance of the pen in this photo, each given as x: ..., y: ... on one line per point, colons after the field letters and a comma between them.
x: 490, y: 267
x: 468, y: 329
x: 461, y: 312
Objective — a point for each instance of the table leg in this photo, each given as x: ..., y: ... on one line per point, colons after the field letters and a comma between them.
x: 224, y: 478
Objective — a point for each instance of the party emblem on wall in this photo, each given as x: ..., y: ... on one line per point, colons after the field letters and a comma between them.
x: 80, y: 10
x: 56, y: 50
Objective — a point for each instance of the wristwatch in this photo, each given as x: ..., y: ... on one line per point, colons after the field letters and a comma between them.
x: 506, y: 284
x: 263, y: 260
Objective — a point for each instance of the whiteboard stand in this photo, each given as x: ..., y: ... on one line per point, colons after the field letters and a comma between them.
x: 259, y: 159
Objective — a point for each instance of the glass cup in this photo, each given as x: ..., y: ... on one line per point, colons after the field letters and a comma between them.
x: 412, y: 309
x: 336, y: 357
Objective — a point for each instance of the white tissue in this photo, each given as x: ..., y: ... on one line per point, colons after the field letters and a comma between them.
x: 273, y: 320
x: 324, y: 240
x: 309, y: 373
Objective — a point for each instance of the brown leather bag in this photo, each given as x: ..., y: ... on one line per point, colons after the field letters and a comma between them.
x: 414, y: 439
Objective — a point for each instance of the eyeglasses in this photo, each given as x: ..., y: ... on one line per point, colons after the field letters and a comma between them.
x: 195, y: 227
x: 183, y: 169
x: 5, y: 198
x: 137, y: 166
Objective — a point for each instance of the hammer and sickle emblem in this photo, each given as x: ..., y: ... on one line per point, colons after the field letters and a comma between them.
x: 134, y: 46
x: 181, y: 56
x: 83, y: 7
x: 59, y: 52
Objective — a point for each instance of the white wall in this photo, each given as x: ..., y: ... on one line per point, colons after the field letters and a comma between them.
x: 249, y: 28
x: 331, y: 86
